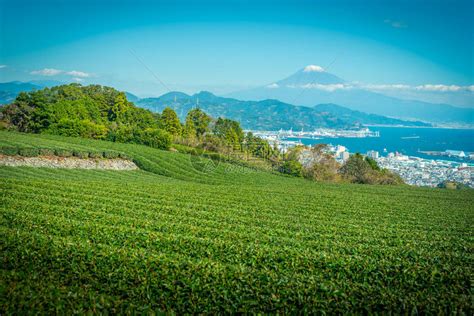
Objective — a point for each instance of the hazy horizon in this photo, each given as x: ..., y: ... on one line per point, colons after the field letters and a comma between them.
x: 404, y: 49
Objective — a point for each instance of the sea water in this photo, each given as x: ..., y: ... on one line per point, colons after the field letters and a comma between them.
x: 408, y: 141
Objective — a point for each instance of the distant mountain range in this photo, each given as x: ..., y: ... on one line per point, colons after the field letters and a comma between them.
x: 269, y: 114
x: 9, y: 90
x: 312, y: 85
x: 266, y: 114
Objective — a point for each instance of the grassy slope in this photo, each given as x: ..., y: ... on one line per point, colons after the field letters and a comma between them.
x: 178, y: 239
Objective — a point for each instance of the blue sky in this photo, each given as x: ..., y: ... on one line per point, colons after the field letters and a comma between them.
x: 224, y: 46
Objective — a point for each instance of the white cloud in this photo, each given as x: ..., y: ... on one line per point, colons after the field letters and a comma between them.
x: 440, y: 87
x: 3, y: 66
x: 396, y: 24
x: 54, y: 72
x: 326, y: 87
x: 273, y: 86
x: 385, y: 87
x: 424, y: 87
x: 47, y: 72
x: 78, y: 79
x: 79, y: 74
x: 315, y: 68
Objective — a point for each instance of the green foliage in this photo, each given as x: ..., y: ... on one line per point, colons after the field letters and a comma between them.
x: 119, y: 108
x: 212, y: 143
x: 197, y: 122
x: 46, y: 152
x: 176, y: 240
x: 189, y: 132
x: 80, y: 154
x: 73, y: 110
x: 109, y: 154
x: 259, y: 147
x: 291, y: 167
x: 452, y: 185
x: 96, y: 154
x: 372, y: 163
x: 358, y: 169
x: 125, y: 156
x: 156, y: 138
x: 322, y: 171
x: 63, y: 152
x: 19, y: 114
x: 77, y: 128
x: 322, y: 167
x: 170, y: 122
x: 9, y: 151
x: 229, y: 131
x: 29, y: 152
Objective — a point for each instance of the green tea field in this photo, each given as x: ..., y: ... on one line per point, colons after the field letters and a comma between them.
x: 176, y: 238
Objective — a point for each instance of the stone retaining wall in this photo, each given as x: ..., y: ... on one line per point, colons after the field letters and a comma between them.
x: 68, y: 162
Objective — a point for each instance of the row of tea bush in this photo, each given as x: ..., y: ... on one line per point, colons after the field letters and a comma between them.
x: 60, y: 152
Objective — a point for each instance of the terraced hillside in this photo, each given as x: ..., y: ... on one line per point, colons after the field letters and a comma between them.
x: 177, y: 238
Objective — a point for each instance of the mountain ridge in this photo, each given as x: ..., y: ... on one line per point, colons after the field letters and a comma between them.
x: 308, y: 89
x: 269, y: 114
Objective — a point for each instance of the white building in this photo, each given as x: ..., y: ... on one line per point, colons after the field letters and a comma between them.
x: 340, y: 149
x: 373, y: 154
x: 344, y: 156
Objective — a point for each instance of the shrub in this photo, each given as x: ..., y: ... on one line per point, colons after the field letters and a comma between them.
x: 78, y: 128
x: 372, y: 163
x: 156, y: 138
x: 214, y: 156
x: 63, y: 153
x: 357, y: 170
x: 29, y: 152
x: 80, y: 154
x: 211, y: 143
x: 9, y: 151
x: 111, y: 154
x: 322, y: 171
x: 124, y: 156
x: 123, y: 134
x: 186, y: 149
x: 291, y: 167
x: 46, y: 152
x: 96, y: 154
x: 453, y: 185
x: 366, y: 171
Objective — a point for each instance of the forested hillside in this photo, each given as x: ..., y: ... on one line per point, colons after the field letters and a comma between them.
x: 87, y: 111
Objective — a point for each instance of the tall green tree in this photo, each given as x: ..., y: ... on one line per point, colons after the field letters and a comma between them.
x: 229, y: 131
x: 356, y: 169
x: 118, y: 109
x: 198, y: 121
x: 170, y: 122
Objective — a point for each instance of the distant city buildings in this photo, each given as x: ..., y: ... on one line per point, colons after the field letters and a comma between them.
x: 373, y: 154
x: 425, y: 172
x: 413, y: 170
x: 316, y: 134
